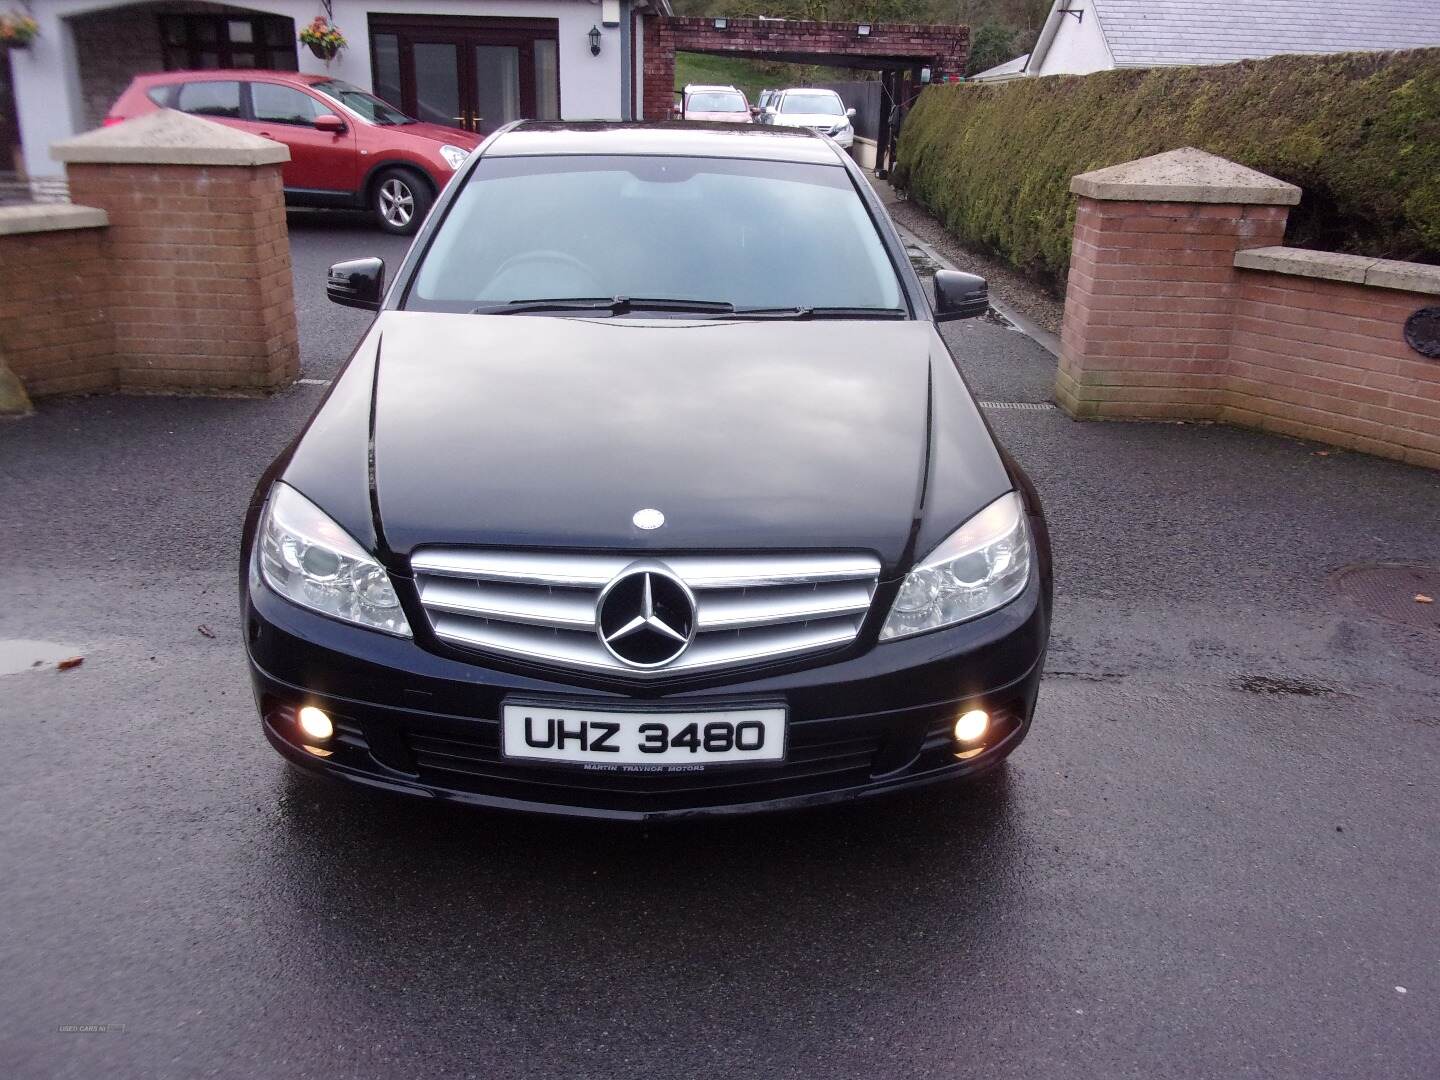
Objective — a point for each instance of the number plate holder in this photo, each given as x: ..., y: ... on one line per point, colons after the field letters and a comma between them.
x: 531, y: 730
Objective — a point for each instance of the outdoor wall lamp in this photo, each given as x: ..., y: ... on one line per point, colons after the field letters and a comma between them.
x: 863, y: 29
x: 721, y: 24
x: 594, y: 36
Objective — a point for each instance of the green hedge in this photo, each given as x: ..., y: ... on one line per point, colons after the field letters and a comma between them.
x: 1359, y: 132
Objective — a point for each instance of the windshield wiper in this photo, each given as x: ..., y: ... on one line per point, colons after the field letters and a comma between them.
x: 821, y: 313
x: 614, y: 305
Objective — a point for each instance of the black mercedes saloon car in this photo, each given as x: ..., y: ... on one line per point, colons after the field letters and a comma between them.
x: 652, y: 491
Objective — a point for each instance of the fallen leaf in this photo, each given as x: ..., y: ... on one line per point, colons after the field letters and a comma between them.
x: 1421, y: 598
x: 70, y: 662
x: 205, y: 630
x: 1321, y: 453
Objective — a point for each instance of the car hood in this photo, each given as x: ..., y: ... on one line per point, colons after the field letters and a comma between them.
x: 523, y: 431
x: 720, y: 117
x: 825, y: 120
x: 439, y: 133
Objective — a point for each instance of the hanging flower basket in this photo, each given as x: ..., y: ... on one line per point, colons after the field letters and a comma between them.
x: 18, y: 31
x: 323, y: 39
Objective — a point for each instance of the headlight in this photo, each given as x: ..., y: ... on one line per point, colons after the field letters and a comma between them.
x: 311, y: 561
x: 453, y: 155
x: 980, y: 566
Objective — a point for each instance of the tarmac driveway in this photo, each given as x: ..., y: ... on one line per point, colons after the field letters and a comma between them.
x: 1217, y: 855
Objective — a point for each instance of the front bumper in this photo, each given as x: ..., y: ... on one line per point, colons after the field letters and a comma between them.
x: 876, y: 719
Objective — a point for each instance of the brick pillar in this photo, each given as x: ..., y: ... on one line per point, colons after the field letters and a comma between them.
x: 1152, y: 286
x: 202, y: 294
x: 659, y: 71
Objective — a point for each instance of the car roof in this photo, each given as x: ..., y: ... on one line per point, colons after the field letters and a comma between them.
x: 531, y: 138
x: 231, y: 74
x: 809, y: 90
x: 698, y: 88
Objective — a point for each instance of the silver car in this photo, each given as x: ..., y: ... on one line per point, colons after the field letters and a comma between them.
x: 821, y: 110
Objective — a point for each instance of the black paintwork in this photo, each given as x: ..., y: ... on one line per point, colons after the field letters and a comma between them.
x: 542, y: 432
x: 549, y: 432
x: 359, y: 283
x: 959, y: 295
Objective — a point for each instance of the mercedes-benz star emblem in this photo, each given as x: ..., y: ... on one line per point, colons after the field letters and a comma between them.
x: 646, y: 617
x: 648, y: 519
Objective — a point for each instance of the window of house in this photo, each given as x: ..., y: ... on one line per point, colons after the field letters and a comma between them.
x: 278, y: 104
x: 209, y: 99
x: 228, y: 41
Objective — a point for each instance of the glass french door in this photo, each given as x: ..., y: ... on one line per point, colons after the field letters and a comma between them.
x: 476, y: 74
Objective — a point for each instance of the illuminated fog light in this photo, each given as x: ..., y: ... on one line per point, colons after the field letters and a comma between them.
x: 971, y: 725
x: 315, y: 724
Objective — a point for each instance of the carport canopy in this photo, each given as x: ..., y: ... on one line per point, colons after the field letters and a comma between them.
x: 891, y: 47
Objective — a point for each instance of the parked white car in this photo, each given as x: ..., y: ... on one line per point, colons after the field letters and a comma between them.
x: 813, y: 108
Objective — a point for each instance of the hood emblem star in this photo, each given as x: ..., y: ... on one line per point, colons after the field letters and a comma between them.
x: 646, y: 616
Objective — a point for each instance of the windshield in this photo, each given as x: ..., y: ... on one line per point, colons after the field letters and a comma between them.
x: 359, y: 102
x: 755, y: 234
x: 716, y: 101
x: 825, y: 104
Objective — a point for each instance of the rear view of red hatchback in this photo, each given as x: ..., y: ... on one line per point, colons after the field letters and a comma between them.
x: 348, y: 149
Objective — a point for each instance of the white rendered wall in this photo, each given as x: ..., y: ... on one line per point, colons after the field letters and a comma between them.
x: 1079, y: 47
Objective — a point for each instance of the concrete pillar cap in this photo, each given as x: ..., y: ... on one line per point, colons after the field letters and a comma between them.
x: 167, y: 137
x: 1185, y: 175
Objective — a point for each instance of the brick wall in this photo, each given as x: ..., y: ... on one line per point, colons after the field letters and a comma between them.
x: 54, y: 291
x: 1184, y: 306
x: 1327, y: 360
x: 1150, y: 302
x: 943, y: 49
x: 113, y: 46
x: 200, y: 260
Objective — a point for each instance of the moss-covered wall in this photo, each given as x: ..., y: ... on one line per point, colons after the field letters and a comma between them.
x: 1360, y: 133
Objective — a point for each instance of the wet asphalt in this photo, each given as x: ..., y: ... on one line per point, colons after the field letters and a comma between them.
x: 1217, y: 854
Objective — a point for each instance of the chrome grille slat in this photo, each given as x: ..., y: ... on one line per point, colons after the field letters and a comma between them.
x: 540, y: 606
x: 782, y: 604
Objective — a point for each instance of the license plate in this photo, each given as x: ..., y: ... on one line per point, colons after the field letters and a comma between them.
x: 635, y: 739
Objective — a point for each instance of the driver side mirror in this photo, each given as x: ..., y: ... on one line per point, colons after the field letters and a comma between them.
x: 330, y: 123
x: 960, y: 296
x: 359, y: 283
x: 850, y: 113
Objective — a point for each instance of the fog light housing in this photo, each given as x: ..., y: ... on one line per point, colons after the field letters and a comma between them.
x: 315, y: 724
x: 972, y: 725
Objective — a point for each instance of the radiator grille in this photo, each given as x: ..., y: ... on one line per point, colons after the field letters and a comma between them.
x: 543, y: 607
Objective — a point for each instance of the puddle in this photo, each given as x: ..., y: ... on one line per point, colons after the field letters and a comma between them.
x: 1263, y: 684
x: 19, y: 654
x: 924, y: 265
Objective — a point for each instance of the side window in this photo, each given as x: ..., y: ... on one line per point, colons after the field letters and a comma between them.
x: 210, y: 99
x: 276, y: 104
x: 161, y: 95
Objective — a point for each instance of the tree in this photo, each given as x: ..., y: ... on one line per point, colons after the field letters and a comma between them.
x: 991, y: 44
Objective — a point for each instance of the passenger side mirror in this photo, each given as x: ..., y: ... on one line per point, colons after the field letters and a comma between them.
x: 329, y: 122
x: 850, y: 113
x: 359, y: 283
x: 960, y: 296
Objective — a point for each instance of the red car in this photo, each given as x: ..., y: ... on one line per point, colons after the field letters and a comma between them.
x: 347, y: 148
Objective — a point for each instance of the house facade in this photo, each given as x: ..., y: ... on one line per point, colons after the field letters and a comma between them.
x: 446, y: 61
x: 1084, y: 36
